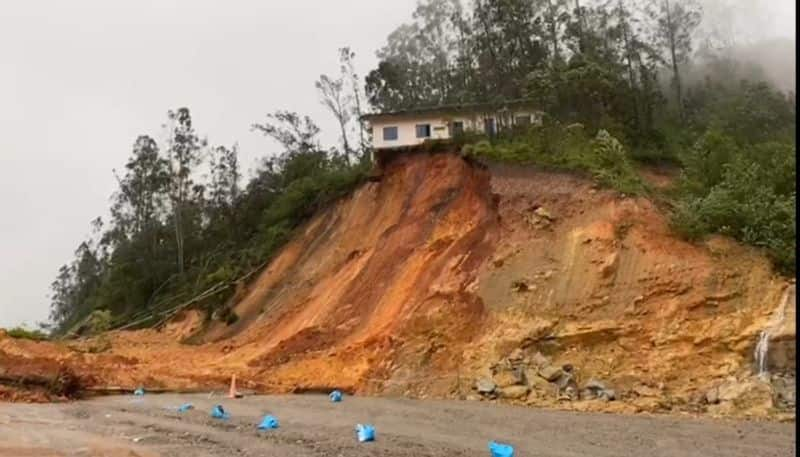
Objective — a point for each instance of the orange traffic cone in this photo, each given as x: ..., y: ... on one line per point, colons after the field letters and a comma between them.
x: 233, y: 393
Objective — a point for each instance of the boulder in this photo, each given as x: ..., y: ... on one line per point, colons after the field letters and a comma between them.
x: 509, y: 377
x: 535, y: 381
x: 733, y: 390
x: 566, y: 380
x: 550, y: 372
x: 485, y: 386
x: 608, y: 395
x: 784, y: 390
x: 597, y: 389
x: 539, y: 360
x: 514, y: 392
x: 571, y: 392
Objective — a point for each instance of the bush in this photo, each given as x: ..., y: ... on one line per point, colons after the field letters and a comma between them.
x: 752, y: 199
x: 566, y: 148
x: 25, y: 334
x: 99, y: 321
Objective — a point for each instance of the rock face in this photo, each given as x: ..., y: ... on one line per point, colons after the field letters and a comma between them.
x: 405, y: 287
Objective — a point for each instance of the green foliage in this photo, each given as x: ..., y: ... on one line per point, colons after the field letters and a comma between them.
x: 99, y: 321
x: 169, y: 240
x: 566, y: 148
x: 747, y: 194
x: 26, y: 334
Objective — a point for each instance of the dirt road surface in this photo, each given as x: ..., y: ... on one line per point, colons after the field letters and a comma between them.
x: 150, y: 426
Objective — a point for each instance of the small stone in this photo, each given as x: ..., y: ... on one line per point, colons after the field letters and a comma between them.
x: 712, y: 396
x: 544, y: 214
x: 485, y: 386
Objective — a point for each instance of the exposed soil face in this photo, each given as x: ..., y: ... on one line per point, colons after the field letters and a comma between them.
x: 311, y: 426
x: 444, y: 275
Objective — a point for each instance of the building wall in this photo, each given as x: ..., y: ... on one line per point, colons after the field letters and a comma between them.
x: 407, y: 133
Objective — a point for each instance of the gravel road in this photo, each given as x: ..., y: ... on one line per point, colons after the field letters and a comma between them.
x: 310, y: 425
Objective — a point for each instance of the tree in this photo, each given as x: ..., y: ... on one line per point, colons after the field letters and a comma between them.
x: 225, y: 175
x: 509, y: 44
x: 184, y: 151
x: 675, y: 22
x: 223, y: 189
x: 348, y: 70
x: 141, y: 196
x: 293, y: 132
x: 555, y: 16
x: 333, y: 96
x: 417, y: 65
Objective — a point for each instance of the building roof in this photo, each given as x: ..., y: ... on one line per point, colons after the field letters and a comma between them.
x: 454, y: 107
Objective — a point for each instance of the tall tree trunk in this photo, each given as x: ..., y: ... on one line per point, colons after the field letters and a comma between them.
x: 345, y: 143
x: 179, y: 237
x: 628, y: 53
x: 673, y: 54
x: 581, y: 27
x: 553, y: 31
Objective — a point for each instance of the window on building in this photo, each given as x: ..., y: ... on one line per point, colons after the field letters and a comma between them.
x: 423, y: 130
x: 456, y: 128
x: 389, y: 133
x: 524, y: 119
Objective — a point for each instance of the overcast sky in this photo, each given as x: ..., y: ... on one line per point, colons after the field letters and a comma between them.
x: 80, y: 79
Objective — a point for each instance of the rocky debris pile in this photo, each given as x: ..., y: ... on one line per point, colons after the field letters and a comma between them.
x: 539, y: 218
x: 754, y: 395
x: 529, y: 378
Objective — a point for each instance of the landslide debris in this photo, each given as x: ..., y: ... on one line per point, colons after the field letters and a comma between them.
x: 445, y: 278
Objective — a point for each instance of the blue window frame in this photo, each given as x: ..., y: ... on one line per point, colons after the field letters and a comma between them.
x: 389, y: 133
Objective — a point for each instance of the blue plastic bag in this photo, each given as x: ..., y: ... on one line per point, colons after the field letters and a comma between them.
x: 267, y: 423
x: 501, y: 450
x: 336, y: 396
x: 365, y: 433
x: 185, y: 407
x: 139, y: 391
x: 218, y: 413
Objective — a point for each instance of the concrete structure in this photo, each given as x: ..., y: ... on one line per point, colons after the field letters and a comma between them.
x: 402, y: 129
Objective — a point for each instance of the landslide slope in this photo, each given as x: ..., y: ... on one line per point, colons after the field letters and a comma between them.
x: 445, y: 272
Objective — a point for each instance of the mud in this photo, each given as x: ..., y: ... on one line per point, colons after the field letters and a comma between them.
x: 310, y: 425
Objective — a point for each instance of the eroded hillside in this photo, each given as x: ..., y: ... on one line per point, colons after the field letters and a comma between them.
x: 450, y: 279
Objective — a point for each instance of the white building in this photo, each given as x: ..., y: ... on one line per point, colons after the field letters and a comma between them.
x: 403, y: 129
